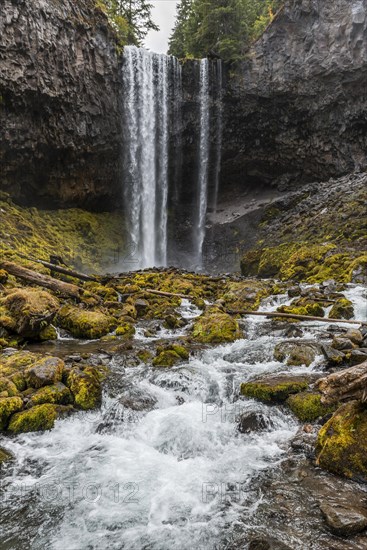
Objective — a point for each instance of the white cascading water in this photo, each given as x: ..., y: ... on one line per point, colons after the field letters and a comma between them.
x: 204, y: 150
x: 219, y: 130
x: 146, y: 125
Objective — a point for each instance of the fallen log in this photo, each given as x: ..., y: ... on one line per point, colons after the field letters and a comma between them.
x: 294, y: 316
x: 345, y: 386
x: 169, y: 294
x: 45, y: 281
x: 66, y: 271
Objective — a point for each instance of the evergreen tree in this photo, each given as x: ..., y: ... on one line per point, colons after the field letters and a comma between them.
x: 131, y: 18
x: 222, y: 27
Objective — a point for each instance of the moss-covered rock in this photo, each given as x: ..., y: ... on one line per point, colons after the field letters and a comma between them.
x: 85, y: 386
x: 244, y: 295
x: 144, y: 356
x: 13, y: 365
x: 30, y: 310
x: 307, y: 406
x: 297, y: 352
x: 8, y: 406
x: 215, y: 327
x: 126, y: 330
x: 45, y: 372
x: 274, y: 389
x: 343, y: 309
x: 36, y: 419
x: 303, y: 306
x: 82, y: 323
x: 3, y: 276
x: 342, y: 442
x: 48, y: 333
x: 57, y: 394
x: 166, y: 358
x: 6, y: 385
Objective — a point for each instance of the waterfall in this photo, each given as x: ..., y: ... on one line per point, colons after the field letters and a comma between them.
x: 204, y: 150
x: 146, y: 115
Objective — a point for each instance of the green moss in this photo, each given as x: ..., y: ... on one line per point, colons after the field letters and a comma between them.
x: 250, y: 263
x: 8, y: 386
x: 342, y: 442
x: 36, y: 419
x: 85, y: 240
x: 274, y: 389
x: 215, y: 327
x: 308, y: 407
x: 28, y: 308
x: 107, y: 293
x: 166, y: 358
x: 8, y: 406
x: 181, y: 351
x: 244, y: 295
x: 127, y: 330
x: 343, y: 309
x: 5, y: 456
x: 3, y: 276
x: 82, y: 323
x: 13, y: 367
x: 144, y: 356
x: 272, y: 259
x: 296, y: 353
x: 85, y: 386
x: 45, y: 372
x: 303, y: 306
x: 304, y: 261
x: 48, y: 333
x: 56, y: 394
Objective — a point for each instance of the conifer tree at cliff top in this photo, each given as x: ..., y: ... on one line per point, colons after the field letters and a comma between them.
x: 131, y: 18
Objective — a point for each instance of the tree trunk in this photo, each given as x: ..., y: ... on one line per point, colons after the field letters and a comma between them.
x: 344, y: 386
x: 294, y: 316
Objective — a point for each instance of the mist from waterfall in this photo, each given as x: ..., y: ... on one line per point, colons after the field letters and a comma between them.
x: 153, y: 153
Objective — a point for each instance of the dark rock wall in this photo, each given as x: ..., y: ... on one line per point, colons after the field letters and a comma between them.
x: 297, y: 110
x: 59, y: 104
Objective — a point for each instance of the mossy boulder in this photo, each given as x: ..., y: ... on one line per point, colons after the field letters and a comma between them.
x: 244, y: 295
x: 6, y: 385
x: 297, y: 352
x: 307, y: 406
x: 48, y: 333
x: 167, y: 358
x: 13, y: 365
x: 215, y: 327
x: 274, y: 389
x: 127, y: 330
x: 303, y: 306
x: 82, y: 323
x: 343, y: 309
x: 36, y: 419
x: 56, y: 394
x: 85, y: 386
x: 144, y: 356
x: 45, y: 372
x: 30, y: 311
x: 342, y: 442
x: 8, y: 406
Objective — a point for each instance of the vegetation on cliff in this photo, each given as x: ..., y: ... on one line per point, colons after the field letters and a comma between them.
x: 224, y: 28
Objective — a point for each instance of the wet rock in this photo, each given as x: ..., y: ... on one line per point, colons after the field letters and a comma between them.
x: 344, y: 520
x: 127, y: 330
x: 342, y: 443
x: 5, y: 456
x: 355, y: 336
x: 254, y: 421
x: 342, y: 344
x: 267, y: 543
x: 275, y: 389
x: 304, y: 441
x: 343, y: 309
x: 358, y: 356
x: 297, y: 353
x: 141, y: 307
x: 334, y: 358
x: 137, y: 399
x: 45, y: 372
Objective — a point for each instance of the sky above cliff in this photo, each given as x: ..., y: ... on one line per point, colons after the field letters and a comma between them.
x: 163, y: 13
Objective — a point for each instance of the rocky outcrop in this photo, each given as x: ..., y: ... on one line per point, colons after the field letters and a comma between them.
x: 59, y: 104
x: 297, y: 110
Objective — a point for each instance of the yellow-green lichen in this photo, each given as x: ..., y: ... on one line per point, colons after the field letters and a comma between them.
x: 342, y: 442
x: 215, y: 327
x: 308, y: 407
x: 8, y: 406
x: 85, y: 386
x: 56, y: 394
x: 38, y: 418
x: 274, y: 390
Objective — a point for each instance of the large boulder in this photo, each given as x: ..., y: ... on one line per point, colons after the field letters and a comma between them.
x: 45, y: 372
x: 215, y: 327
x: 8, y: 406
x: 307, y: 406
x: 275, y: 389
x: 28, y: 311
x: 82, y: 323
x: 36, y: 419
x: 342, y: 442
x: 85, y: 386
x: 13, y: 365
x: 298, y: 352
x: 57, y: 394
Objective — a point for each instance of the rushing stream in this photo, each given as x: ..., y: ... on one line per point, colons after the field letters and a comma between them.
x: 162, y: 465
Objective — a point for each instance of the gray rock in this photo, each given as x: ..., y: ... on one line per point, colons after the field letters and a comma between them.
x: 344, y: 520
x: 342, y: 344
x: 254, y: 421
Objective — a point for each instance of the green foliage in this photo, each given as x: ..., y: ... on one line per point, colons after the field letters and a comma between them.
x: 131, y: 19
x: 223, y: 27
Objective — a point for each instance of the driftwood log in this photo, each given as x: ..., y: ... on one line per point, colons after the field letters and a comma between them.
x: 294, y: 316
x: 66, y: 271
x: 45, y: 281
x: 344, y: 386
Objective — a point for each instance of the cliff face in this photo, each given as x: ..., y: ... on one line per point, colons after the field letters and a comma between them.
x: 59, y: 104
x: 298, y: 109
